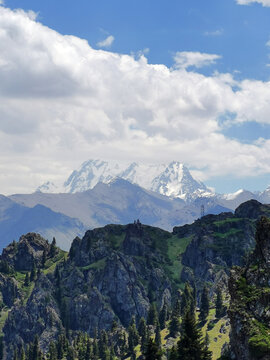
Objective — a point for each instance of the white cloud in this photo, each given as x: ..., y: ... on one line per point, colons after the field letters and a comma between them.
x: 217, y: 32
x: 248, y: 2
x: 2, y: 2
x: 62, y: 102
x: 107, y: 42
x: 185, y: 59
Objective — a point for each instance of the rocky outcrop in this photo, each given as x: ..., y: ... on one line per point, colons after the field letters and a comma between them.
x: 112, y: 273
x: 26, y: 253
x: 250, y: 298
x: 218, y: 242
x: 40, y: 316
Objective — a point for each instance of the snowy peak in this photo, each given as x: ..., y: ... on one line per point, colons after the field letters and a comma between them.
x: 173, y: 179
x: 176, y: 181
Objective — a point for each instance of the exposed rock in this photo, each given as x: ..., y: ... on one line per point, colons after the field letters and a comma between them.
x: 27, y: 252
x: 250, y: 298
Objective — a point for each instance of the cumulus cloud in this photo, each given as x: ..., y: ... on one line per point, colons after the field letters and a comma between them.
x: 106, y: 43
x: 186, y: 59
x: 62, y: 102
x: 248, y: 2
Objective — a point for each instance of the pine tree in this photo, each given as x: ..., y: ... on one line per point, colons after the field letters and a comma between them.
x: 33, y: 273
x: 173, y: 354
x: 133, y: 336
x: 219, y: 305
x: 52, y: 355
x: 88, y: 353
x: 103, y: 345
x: 152, y: 315
x: 44, y: 258
x: 53, y: 248
x: 22, y: 354
x: 190, y: 346
x: 15, y: 355
x: 174, y: 326
x: 157, y: 335
x: 143, y: 332
x: 188, y: 301
x: 152, y: 351
x: 163, y: 316
x: 205, y: 306
x: 71, y: 354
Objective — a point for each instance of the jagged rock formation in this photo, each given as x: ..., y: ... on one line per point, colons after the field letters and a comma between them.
x: 27, y: 252
x: 115, y: 272
x: 219, y: 242
x: 250, y: 298
x: 111, y: 273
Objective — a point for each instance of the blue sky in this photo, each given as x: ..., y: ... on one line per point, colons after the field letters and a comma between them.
x: 238, y: 33
x: 223, y: 46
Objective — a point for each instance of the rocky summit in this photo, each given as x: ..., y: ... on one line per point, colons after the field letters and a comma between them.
x: 116, y: 275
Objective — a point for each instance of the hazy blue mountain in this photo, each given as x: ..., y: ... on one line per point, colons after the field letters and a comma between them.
x: 17, y: 219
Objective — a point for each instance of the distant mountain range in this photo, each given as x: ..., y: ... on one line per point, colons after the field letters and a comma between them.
x: 173, y: 180
x: 101, y: 193
x: 17, y: 219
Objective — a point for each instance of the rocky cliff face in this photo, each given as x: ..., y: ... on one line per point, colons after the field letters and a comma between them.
x: 112, y: 273
x: 250, y: 298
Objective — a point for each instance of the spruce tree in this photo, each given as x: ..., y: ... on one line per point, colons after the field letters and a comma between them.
x: 33, y: 273
x: 152, y: 351
x: 191, y: 346
x: 157, y: 335
x: 71, y: 354
x: 188, y: 299
x: 174, y: 326
x: 163, y: 316
x: 152, y: 315
x: 143, y: 332
x: 22, y: 354
x: 219, y: 305
x: 133, y: 336
x: 205, y: 306
x: 53, y: 248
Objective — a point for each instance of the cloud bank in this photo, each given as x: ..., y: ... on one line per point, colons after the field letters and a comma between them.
x: 62, y: 102
x: 248, y: 2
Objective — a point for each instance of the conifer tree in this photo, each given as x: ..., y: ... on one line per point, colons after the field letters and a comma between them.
x: 52, y: 355
x: 173, y: 354
x: 191, y: 346
x: 143, y: 332
x: 187, y: 300
x: 22, y: 354
x: 33, y: 273
x: 53, y: 248
x: 174, y: 326
x: 133, y: 336
x: 71, y: 354
x: 1, y: 348
x: 152, y: 315
x: 15, y: 355
x: 219, y: 305
x: 205, y: 306
x: 163, y: 316
x: 157, y: 335
x: 152, y: 351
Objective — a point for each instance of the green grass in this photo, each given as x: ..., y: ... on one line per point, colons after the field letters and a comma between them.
x: 176, y: 247
x: 98, y: 265
x: 214, y: 333
x: 117, y: 240
x: 228, y: 234
x: 3, y: 318
x: 227, y: 221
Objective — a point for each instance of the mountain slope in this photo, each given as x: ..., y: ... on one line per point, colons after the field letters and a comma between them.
x: 119, y: 202
x: 17, y: 219
x: 250, y: 298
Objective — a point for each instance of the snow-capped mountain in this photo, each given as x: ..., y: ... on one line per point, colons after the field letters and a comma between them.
x: 173, y: 180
